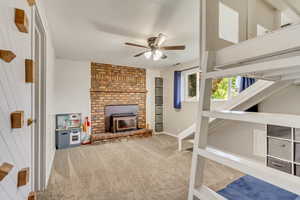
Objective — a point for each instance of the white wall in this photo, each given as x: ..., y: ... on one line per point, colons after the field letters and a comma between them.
x: 235, y: 137
x: 285, y: 101
x: 15, y: 94
x: 212, y: 31
x: 261, y: 13
x: 175, y: 120
x: 251, y: 13
x: 72, y: 84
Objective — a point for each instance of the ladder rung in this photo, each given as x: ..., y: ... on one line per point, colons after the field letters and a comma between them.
x: 254, y: 168
x: 286, y: 120
x: 206, y: 193
x: 284, y: 63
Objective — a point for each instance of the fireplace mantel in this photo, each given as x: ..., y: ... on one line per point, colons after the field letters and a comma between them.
x: 119, y: 91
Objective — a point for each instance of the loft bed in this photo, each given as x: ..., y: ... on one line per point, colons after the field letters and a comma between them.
x: 262, y: 58
x: 261, y: 47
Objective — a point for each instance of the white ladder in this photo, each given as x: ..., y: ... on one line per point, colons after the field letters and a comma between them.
x: 200, y: 140
x: 246, y: 165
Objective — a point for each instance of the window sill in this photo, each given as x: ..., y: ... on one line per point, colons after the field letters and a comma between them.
x: 219, y: 100
x: 190, y: 100
x: 214, y: 100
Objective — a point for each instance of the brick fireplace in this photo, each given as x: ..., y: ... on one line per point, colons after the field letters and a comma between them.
x: 116, y: 86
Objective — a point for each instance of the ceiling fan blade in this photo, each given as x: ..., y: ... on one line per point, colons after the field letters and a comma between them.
x: 140, y: 54
x: 136, y: 45
x: 160, y: 39
x: 173, y: 47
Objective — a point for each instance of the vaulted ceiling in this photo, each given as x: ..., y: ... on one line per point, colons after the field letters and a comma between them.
x: 96, y: 30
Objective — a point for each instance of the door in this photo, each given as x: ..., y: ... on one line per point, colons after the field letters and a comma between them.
x: 38, y: 104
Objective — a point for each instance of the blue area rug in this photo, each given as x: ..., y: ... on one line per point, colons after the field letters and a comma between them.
x: 250, y: 188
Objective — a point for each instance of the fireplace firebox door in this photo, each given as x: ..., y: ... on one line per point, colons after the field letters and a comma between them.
x: 123, y: 122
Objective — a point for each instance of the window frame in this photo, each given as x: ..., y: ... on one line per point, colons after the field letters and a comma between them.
x: 261, y: 28
x: 229, y: 92
x: 186, y: 98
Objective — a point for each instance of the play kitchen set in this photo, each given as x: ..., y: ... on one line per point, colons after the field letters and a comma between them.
x: 70, y: 132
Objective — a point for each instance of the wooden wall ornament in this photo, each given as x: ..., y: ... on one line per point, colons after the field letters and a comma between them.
x: 17, y: 119
x: 29, y: 71
x: 23, y: 177
x: 21, y: 20
x: 32, y: 196
x: 5, y: 168
x: 31, y: 2
x: 7, y: 55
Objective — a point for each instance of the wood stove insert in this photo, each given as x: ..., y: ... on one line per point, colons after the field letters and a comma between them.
x: 123, y: 122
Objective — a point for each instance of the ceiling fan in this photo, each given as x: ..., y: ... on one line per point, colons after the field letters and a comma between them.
x: 154, y: 49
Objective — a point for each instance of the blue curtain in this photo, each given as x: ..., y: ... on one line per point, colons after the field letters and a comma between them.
x: 245, y: 82
x: 177, y: 90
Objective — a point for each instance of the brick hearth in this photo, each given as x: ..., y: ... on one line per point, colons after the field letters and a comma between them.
x: 116, y: 85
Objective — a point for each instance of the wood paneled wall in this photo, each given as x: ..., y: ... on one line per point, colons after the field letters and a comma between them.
x: 15, y: 94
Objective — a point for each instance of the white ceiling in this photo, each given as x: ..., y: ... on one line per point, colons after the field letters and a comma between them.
x: 96, y: 30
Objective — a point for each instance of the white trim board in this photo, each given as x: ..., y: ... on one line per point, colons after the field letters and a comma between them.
x: 253, y: 167
x: 286, y: 120
x: 169, y: 134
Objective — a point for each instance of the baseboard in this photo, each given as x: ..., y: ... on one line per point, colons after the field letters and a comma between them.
x: 157, y: 133
x: 48, y: 172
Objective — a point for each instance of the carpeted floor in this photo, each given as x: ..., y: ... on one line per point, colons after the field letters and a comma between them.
x: 138, y: 169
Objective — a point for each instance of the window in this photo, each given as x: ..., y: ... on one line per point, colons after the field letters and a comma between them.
x: 225, y: 88
x: 191, y: 85
x: 222, y: 89
x: 285, y: 19
x: 261, y: 30
x: 228, y: 24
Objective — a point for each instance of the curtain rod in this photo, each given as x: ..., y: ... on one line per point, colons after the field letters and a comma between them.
x: 187, y: 69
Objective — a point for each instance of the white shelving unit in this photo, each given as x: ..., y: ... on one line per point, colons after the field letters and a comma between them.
x: 256, y: 168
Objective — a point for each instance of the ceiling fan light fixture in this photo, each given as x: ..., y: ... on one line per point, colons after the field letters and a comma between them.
x: 157, y: 55
x: 148, y: 54
x: 162, y: 39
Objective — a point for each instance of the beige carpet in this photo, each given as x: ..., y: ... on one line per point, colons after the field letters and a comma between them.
x: 140, y: 169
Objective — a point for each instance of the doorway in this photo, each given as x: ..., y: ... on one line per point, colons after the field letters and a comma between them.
x: 38, y: 103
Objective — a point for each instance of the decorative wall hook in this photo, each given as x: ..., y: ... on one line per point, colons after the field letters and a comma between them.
x: 5, y: 168
x: 31, y: 2
x: 7, y: 55
x: 21, y: 20
x: 29, y: 71
x: 23, y: 177
x: 17, y: 119
x: 32, y: 196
